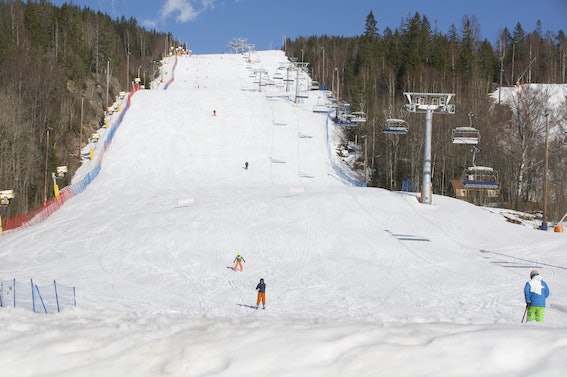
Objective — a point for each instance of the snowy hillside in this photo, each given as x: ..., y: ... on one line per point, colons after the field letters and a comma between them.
x: 360, y: 281
x: 544, y: 98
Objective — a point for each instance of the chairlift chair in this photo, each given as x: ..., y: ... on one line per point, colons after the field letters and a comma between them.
x: 395, y: 126
x: 321, y: 108
x: 342, y: 117
x: 480, y: 177
x: 343, y: 108
x: 357, y: 117
x: 465, y: 135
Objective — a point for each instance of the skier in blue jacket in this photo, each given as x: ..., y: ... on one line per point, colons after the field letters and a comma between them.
x: 535, y: 292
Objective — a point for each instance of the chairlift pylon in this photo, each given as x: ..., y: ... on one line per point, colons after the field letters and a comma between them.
x: 395, y: 126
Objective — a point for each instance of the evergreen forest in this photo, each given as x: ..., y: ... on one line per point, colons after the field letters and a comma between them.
x: 372, y: 72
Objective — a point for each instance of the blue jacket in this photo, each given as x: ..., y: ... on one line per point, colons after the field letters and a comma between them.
x: 536, y: 291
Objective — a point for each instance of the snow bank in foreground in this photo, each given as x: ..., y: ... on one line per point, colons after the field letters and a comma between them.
x: 84, y: 343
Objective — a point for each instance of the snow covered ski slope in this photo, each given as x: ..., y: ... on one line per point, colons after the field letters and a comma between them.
x: 360, y: 281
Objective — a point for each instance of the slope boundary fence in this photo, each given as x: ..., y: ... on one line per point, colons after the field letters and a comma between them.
x: 345, y: 178
x: 46, y: 299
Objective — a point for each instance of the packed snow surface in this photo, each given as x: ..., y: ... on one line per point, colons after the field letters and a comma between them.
x: 360, y: 281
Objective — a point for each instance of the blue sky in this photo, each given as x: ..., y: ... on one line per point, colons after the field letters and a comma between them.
x: 207, y: 25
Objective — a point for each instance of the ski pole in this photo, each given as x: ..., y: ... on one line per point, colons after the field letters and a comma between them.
x: 524, y: 316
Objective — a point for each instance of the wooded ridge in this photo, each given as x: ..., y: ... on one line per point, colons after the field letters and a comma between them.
x: 55, y: 63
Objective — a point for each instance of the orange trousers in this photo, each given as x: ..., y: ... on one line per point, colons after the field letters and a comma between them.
x: 238, y: 264
x: 262, y: 298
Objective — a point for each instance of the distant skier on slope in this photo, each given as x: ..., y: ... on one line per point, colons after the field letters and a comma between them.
x: 246, y: 165
x: 239, y: 258
x: 261, y: 288
x: 535, y: 292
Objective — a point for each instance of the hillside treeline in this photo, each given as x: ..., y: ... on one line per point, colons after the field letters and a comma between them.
x: 373, y: 70
x: 55, y: 63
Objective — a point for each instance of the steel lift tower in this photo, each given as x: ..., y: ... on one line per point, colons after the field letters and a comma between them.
x: 428, y: 103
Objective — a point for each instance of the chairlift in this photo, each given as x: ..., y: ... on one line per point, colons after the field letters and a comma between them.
x: 395, y: 126
x: 343, y: 108
x: 321, y: 108
x: 343, y: 115
x: 342, y: 118
x: 466, y: 135
x: 480, y: 177
x: 357, y: 117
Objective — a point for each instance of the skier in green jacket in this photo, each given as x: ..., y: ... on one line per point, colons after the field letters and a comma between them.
x: 239, y: 259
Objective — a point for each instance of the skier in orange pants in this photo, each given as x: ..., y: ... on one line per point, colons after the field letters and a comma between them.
x: 238, y: 261
x: 261, y: 288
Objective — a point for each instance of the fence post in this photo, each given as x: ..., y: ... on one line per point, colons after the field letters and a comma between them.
x: 56, y: 296
x: 32, y: 296
x: 40, y: 299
